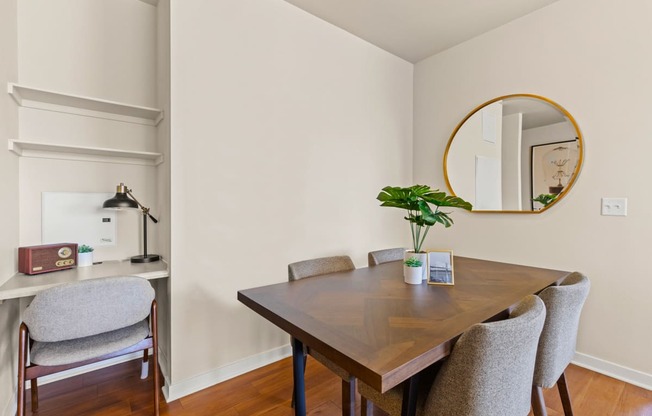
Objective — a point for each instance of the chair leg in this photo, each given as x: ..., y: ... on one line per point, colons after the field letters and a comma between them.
x: 34, y: 388
x: 538, y: 404
x: 157, y: 382
x: 348, y: 396
x: 144, y: 370
x: 22, y: 363
x: 565, y: 395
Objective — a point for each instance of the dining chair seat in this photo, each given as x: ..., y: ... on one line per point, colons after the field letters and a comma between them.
x: 82, y: 349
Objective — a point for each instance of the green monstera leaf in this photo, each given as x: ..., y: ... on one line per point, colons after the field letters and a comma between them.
x: 417, y: 201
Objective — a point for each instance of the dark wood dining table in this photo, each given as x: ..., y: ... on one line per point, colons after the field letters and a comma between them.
x: 383, y: 331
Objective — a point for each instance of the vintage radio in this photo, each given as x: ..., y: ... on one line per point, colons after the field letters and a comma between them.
x: 47, y: 258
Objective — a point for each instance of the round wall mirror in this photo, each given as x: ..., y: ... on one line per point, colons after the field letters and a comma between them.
x: 515, y: 153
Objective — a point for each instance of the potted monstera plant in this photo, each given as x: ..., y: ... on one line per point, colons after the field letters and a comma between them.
x: 418, y: 201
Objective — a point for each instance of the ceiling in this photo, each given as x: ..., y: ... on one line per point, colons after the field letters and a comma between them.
x: 536, y: 113
x: 417, y: 29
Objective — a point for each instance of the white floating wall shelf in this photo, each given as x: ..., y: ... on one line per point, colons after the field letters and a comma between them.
x: 81, y: 153
x: 84, y: 106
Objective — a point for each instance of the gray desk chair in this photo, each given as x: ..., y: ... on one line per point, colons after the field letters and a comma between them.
x: 483, y: 374
x: 557, y: 345
x: 315, y: 267
x: 80, y: 323
x: 385, y: 256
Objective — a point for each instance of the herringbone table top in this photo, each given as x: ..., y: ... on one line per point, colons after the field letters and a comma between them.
x: 383, y: 331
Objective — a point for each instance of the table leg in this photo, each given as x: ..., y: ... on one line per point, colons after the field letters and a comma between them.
x: 299, y: 382
x: 348, y: 397
x: 410, y: 390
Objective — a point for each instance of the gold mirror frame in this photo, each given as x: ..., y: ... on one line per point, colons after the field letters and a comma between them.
x: 576, y: 171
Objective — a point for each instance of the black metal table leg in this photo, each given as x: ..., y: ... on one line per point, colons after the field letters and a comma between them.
x: 299, y: 382
x: 410, y: 390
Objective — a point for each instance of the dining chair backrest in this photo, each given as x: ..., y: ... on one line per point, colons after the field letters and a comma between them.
x: 384, y: 256
x: 319, y: 266
x: 557, y: 344
x: 490, y: 368
x: 89, y: 307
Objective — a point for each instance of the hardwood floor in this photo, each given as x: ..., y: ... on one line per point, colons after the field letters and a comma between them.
x: 118, y: 391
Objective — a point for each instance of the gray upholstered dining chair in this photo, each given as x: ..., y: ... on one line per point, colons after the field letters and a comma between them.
x: 483, y: 373
x: 315, y: 267
x: 80, y: 323
x: 384, y: 256
x: 319, y: 266
x: 558, y: 338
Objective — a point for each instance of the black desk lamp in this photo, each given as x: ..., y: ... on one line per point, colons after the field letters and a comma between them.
x: 124, y: 199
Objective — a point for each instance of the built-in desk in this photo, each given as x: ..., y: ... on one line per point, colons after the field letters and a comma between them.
x: 22, y: 285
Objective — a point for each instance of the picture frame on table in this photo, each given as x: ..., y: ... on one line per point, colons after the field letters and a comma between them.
x: 440, y: 267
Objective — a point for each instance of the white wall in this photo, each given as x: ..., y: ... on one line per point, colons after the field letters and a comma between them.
x: 9, y: 211
x: 588, y: 55
x: 163, y: 179
x: 284, y: 130
x: 100, y: 48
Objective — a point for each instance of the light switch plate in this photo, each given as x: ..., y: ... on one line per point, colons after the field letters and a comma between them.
x: 614, y: 206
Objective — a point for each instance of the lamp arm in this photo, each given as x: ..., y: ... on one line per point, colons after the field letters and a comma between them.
x: 142, y: 207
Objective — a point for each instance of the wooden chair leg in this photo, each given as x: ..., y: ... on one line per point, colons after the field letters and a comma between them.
x: 22, y: 365
x: 538, y: 404
x: 565, y: 395
x: 157, y: 382
x: 144, y: 370
x: 34, y: 389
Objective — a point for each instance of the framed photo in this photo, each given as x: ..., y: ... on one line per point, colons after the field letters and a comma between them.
x: 440, y: 264
x: 552, y: 167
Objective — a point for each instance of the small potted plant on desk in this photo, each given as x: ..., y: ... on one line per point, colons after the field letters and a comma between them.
x: 85, y: 256
x: 416, y: 200
x: 412, y: 271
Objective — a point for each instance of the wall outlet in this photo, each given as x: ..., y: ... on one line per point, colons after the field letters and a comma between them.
x: 614, y: 206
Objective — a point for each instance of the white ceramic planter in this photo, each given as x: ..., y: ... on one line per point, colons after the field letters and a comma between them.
x: 412, y: 275
x: 424, y: 262
x: 84, y: 259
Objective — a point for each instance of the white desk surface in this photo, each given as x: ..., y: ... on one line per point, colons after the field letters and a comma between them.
x: 22, y: 285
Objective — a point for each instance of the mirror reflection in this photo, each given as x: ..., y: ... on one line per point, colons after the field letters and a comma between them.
x: 516, y: 153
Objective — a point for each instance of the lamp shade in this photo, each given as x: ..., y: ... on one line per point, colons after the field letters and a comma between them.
x: 120, y: 200
x: 125, y: 199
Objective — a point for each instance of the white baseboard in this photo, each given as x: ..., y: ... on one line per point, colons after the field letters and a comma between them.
x: 617, y: 371
x: 194, y: 384
x: 164, y: 365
